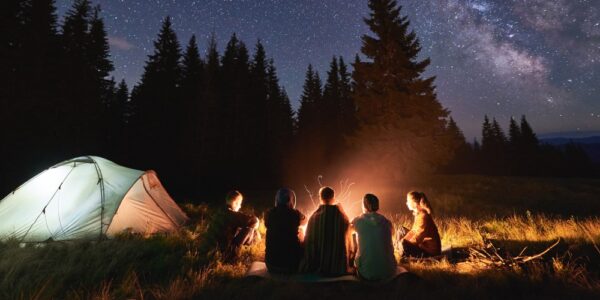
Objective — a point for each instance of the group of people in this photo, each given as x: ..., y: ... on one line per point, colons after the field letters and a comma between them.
x: 331, y: 244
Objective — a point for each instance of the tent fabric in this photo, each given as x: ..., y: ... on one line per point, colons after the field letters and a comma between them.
x: 82, y: 197
x: 147, y: 208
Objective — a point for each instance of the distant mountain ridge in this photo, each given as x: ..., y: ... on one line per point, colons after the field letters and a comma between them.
x: 590, y: 144
x: 566, y: 140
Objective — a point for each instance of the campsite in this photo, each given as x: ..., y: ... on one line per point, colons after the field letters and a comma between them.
x: 169, y: 267
x: 363, y: 149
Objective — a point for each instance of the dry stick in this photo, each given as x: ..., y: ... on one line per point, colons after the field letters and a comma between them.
x: 542, y: 253
x: 487, y: 258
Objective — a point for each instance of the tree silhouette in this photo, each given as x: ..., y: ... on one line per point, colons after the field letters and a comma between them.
x: 398, y: 111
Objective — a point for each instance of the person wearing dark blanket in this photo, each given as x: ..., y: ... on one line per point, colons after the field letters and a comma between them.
x: 423, y: 240
x: 284, y: 236
x: 375, y: 258
x: 229, y: 228
x: 327, y: 239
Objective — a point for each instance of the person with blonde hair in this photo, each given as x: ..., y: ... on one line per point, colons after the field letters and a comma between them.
x: 284, y: 250
x: 423, y: 240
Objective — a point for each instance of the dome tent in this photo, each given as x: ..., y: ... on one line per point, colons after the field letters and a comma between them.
x: 88, y: 198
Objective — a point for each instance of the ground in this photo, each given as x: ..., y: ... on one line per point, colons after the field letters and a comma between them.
x: 488, y: 222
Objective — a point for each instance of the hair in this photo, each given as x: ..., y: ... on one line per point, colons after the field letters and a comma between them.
x: 231, y: 196
x: 420, y: 198
x: 285, y: 197
x: 371, y: 203
x: 326, y: 193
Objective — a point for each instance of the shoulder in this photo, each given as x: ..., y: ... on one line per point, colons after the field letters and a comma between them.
x: 299, y: 214
x: 341, y: 211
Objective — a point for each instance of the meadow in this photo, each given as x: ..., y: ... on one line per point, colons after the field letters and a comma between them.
x: 492, y: 228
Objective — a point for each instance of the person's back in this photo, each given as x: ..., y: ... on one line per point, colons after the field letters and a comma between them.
x: 375, y: 259
x: 283, y: 247
x: 325, y: 243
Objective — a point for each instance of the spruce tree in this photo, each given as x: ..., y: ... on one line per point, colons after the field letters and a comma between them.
x: 401, y: 122
x: 157, y: 98
x: 500, y: 149
x: 103, y: 90
x: 347, y: 109
x: 529, y: 149
x: 515, y: 148
x: 190, y: 111
x: 528, y: 137
x: 462, y: 154
x: 309, y: 150
x: 77, y: 88
x: 210, y: 133
x: 330, y: 113
x: 308, y: 114
x: 281, y: 122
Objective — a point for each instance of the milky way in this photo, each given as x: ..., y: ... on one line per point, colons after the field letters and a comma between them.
x: 502, y: 58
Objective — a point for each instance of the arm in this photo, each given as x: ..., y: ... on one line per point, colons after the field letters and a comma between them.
x: 419, y: 228
x: 301, y: 226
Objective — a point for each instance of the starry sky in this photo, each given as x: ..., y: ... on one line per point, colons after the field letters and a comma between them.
x: 503, y: 58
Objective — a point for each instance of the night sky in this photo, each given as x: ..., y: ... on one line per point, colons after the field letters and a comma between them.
x: 503, y: 58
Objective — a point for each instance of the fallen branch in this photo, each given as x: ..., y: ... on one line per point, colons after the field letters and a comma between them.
x: 491, y: 258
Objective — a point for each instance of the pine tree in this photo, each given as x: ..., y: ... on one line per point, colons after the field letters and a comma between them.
x: 210, y: 133
x: 190, y: 110
x: 77, y: 86
x: 462, y: 153
x: 157, y: 98
x: 330, y: 113
x: 401, y: 122
x: 515, y: 148
x: 347, y: 109
x: 528, y: 137
x: 529, y: 149
x: 486, y: 135
x: 514, y: 133
x: 308, y: 114
x: 308, y: 157
x: 101, y: 89
x: 281, y: 122
x: 28, y: 88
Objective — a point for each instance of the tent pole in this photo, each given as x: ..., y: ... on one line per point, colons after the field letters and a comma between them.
x: 102, y: 195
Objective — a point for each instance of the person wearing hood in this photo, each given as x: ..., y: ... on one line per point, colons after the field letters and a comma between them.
x: 284, y: 235
x: 375, y: 258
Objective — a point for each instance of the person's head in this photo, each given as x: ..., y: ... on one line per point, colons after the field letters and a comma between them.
x: 370, y: 203
x: 234, y: 200
x: 416, y: 201
x: 327, y: 195
x: 285, y: 197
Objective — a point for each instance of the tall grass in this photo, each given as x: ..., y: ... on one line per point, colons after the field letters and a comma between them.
x: 172, y: 267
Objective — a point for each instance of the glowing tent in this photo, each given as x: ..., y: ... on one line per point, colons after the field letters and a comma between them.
x: 88, y: 198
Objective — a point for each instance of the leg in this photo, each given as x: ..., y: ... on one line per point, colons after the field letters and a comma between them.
x: 411, y: 250
x: 244, y: 236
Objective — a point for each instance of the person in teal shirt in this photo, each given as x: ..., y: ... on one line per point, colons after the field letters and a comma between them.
x: 375, y: 258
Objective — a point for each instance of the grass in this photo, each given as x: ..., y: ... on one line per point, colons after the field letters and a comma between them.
x: 509, y: 214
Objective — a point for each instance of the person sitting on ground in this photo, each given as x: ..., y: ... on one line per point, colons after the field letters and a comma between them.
x: 423, y: 240
x: 327, y: 239
x: 284, y: 236
x: 375, y: 258
x: 229, y: 228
